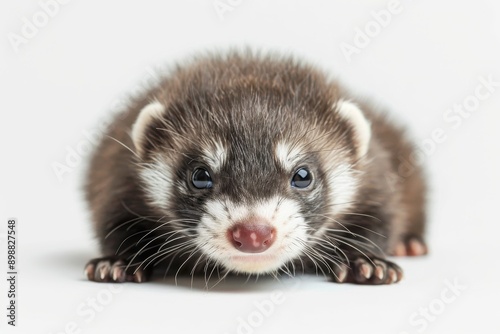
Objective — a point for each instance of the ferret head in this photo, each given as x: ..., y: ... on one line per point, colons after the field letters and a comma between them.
x: 251, y: 176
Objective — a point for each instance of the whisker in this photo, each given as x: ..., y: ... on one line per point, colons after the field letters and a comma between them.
x: 328, y: 244
x: 221, y: 279
x: 130, y: 236
x: 165, y: 252
x: 122, y: 144
x: 363, y: 215
x: 352, y: 246
x: 356, y: 235
x: 141, y: 250
x: 182, y: 265
x: 135, y: 213
x: 137, y: 219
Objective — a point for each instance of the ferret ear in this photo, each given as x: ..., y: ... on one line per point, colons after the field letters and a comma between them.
x: 350, y: 112
x: 154, y: 110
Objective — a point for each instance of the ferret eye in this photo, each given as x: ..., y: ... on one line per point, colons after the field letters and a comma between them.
x: 302, y: 178
x: 201, y: 179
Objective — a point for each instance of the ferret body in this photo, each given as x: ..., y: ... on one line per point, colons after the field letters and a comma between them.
x: 253, y: 164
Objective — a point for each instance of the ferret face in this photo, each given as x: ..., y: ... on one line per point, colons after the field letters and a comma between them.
x: 254, y: 189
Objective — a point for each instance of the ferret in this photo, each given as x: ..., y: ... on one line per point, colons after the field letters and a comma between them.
x: 254, y: 164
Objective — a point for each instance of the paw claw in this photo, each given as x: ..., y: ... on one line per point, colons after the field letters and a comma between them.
x: 340, y: 273
x: 118, y: 273
x: 138, y: 277
x: 400, y: 249
x: 102, y: 271
x: 379, y: 272
x: 366, y: 270
x: 392, y: 276
x: 412, y: 246
x: 111, y: 269
x: 89, y: 271
x: 416, y: 248
x: 373, y: 271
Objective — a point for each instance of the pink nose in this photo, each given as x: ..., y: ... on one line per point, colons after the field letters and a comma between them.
x: 251, y: 238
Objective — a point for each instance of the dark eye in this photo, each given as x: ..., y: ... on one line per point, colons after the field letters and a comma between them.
x: 302, y: 178
x: 201, y: 179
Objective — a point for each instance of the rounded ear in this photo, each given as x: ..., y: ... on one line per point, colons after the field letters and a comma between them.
x: 151, y: 111
x: 350, y: 112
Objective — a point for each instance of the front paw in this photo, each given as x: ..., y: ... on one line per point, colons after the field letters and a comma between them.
x: 114, y: 269
x: 411, y: 245
x: 373, y: 271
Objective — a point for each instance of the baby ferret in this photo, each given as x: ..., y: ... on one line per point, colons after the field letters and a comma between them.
x: 253, y: 164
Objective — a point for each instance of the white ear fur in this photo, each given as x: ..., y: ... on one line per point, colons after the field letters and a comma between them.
x: 362, y: 127
x: 147, y: 114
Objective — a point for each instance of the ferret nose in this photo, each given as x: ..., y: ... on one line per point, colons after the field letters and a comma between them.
x: 252, y: 237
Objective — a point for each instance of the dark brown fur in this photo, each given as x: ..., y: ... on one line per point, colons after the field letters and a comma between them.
x: 390, y: 202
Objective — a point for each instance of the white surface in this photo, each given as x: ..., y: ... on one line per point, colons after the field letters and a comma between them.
x: 78, y: 67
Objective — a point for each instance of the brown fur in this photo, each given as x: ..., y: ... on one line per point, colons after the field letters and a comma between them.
x: 390, y: 203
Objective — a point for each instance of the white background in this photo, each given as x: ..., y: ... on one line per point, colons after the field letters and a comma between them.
x: 63, y: 80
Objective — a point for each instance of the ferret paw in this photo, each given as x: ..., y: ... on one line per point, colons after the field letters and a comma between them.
x: 113, y: 269
x: 368, y: 271
x: 410, y: 246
